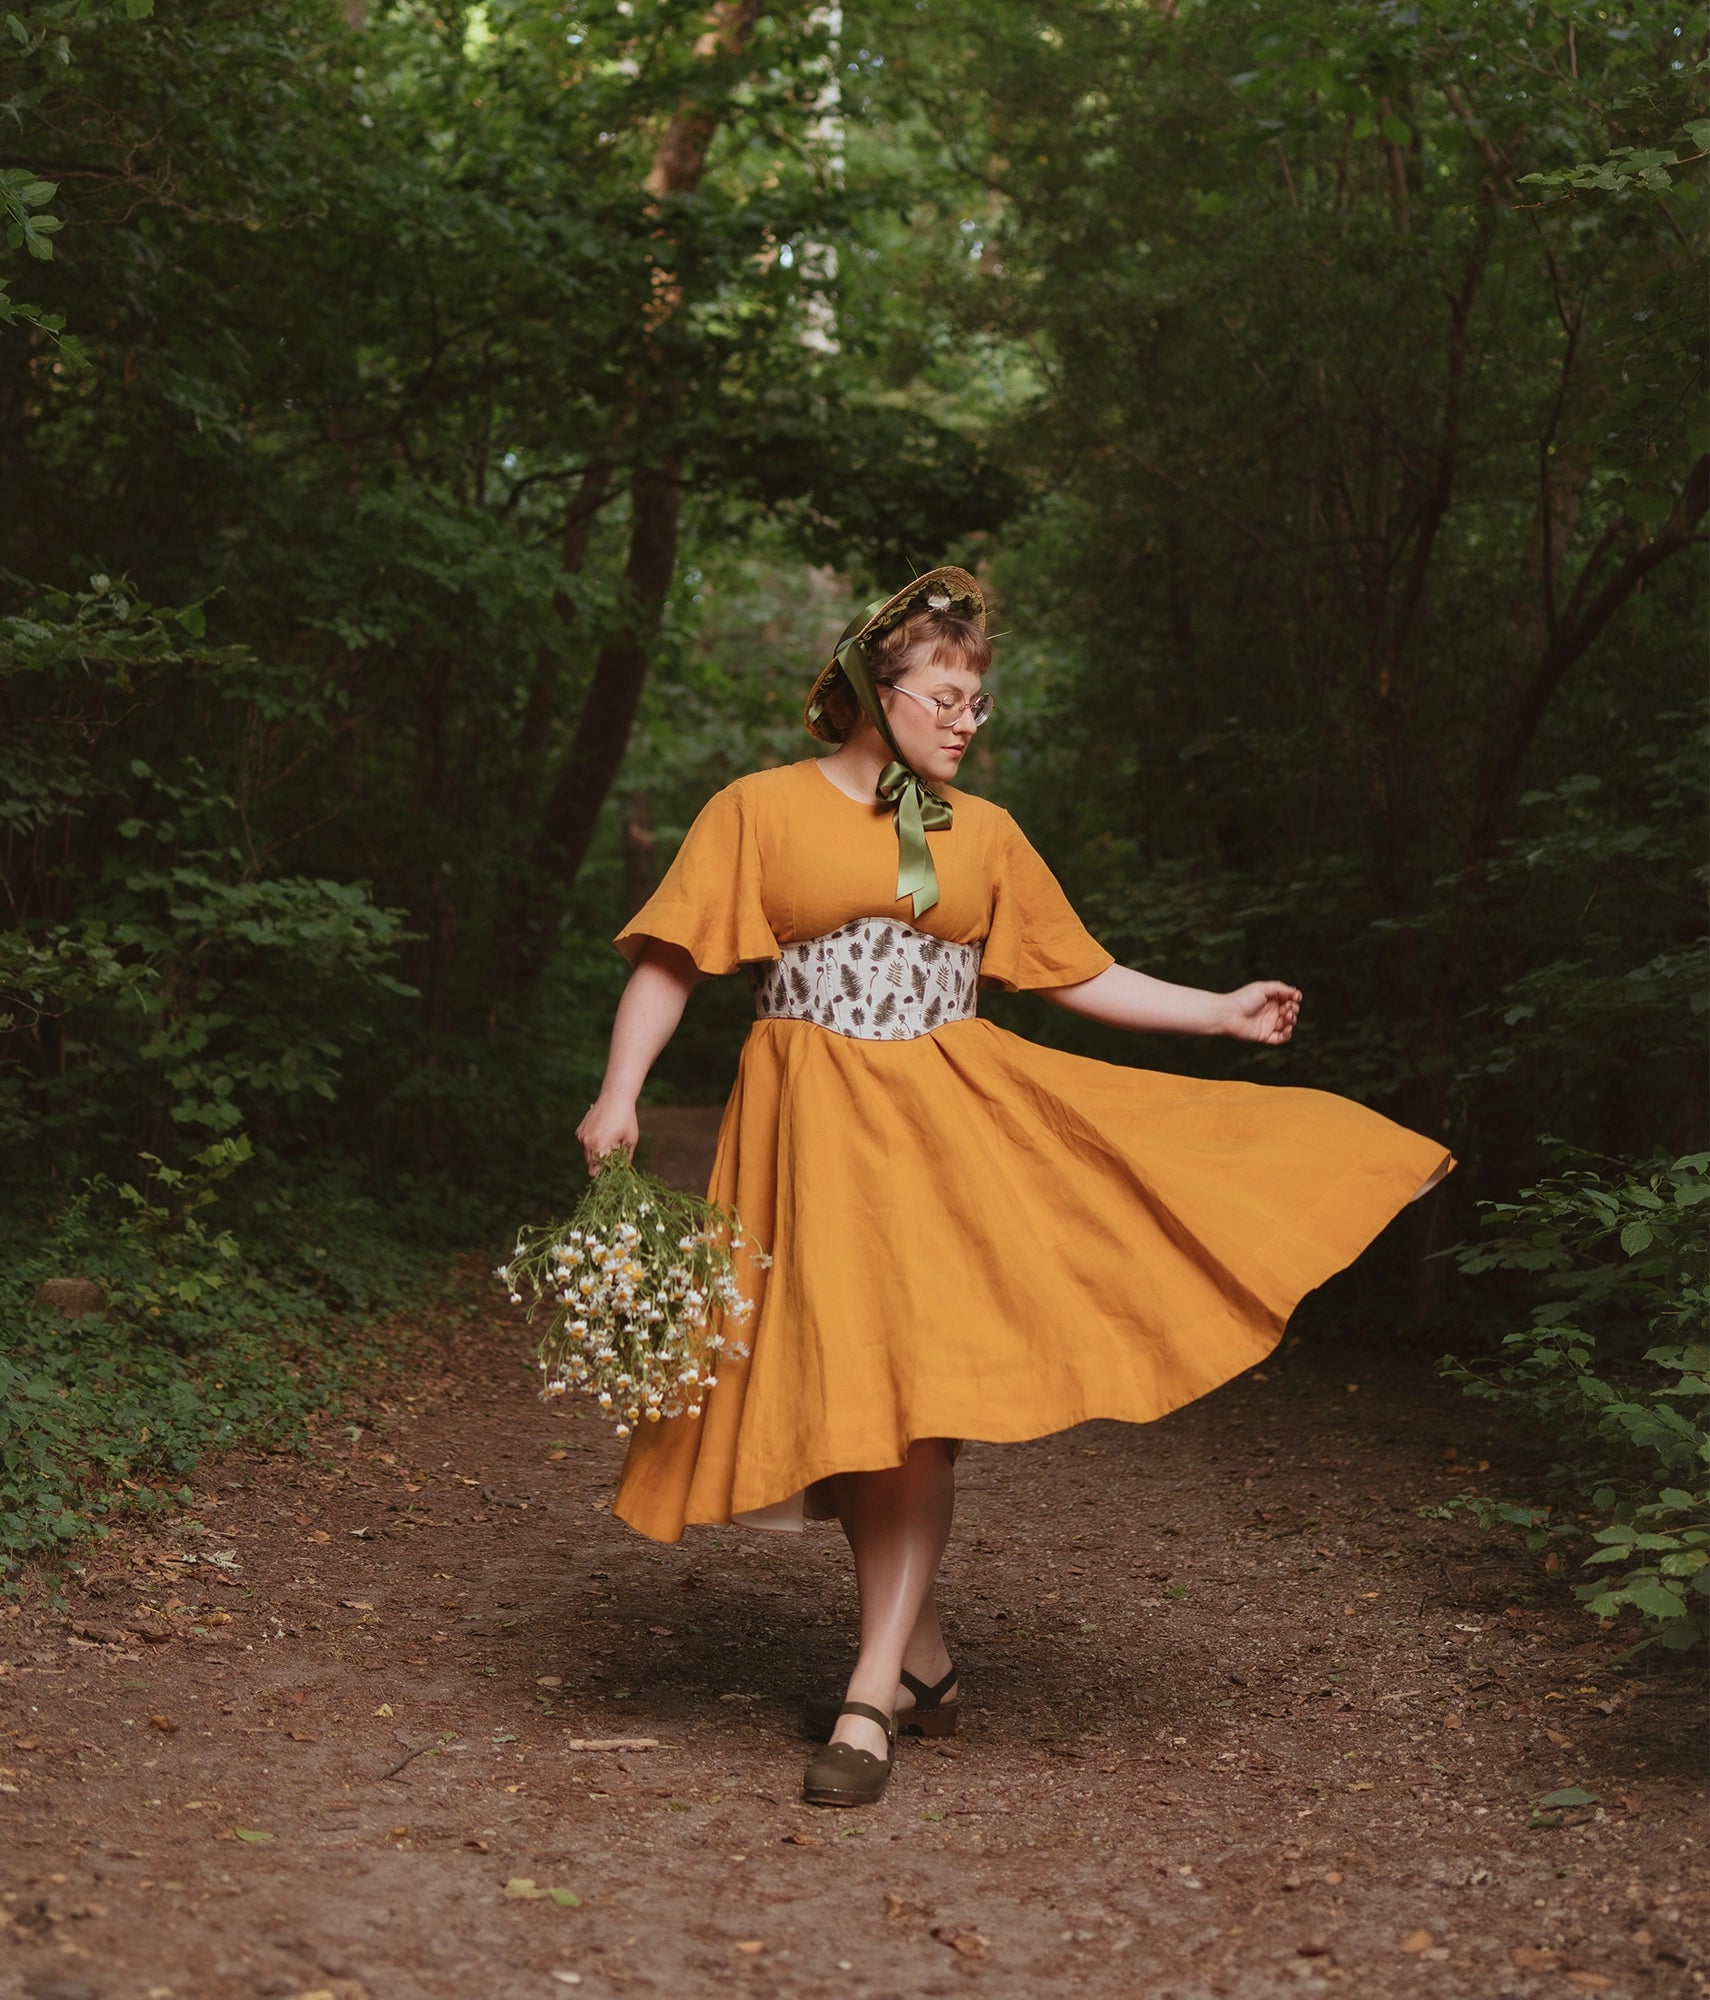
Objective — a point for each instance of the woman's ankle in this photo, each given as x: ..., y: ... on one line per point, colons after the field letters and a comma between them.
x: 928, y: 1663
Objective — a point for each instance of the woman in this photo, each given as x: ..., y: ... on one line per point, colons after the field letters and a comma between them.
x: 973, y: 1236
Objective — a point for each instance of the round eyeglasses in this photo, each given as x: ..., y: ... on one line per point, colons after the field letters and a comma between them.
x: 949, y: 707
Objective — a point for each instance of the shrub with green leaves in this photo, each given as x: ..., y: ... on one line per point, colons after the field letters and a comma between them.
x: 1611, y: 1377
x: 230, y: 1318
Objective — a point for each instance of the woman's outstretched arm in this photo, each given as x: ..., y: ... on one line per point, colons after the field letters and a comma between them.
x: 647, y: 1016
x: 1265, y: 1010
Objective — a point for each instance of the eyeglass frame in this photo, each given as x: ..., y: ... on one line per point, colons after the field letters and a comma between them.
x: 961, y: 702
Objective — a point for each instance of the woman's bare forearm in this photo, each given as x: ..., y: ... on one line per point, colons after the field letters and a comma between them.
x: 647, y: 1018
x: 1264, y: 1010
x: 1123, y: 998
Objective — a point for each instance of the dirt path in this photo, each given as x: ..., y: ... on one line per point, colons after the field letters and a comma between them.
x: 1243, y: 1724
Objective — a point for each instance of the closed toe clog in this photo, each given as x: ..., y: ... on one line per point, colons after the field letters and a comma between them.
x: 841, y: 1775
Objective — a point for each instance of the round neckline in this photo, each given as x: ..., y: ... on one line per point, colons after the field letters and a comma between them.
x: 814, y: 763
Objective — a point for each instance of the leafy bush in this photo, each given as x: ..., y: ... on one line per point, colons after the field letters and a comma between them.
x: 156, y: 969
x: 213, y: 1336
x: 1612, y: 1376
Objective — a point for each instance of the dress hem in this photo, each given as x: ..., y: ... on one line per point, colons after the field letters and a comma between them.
x: 962, y: 1427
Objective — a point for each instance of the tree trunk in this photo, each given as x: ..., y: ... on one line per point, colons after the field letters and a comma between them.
x: 1512, y: 734
x: 601, y: 736
x: 640, y: 852
x: 608, y: 711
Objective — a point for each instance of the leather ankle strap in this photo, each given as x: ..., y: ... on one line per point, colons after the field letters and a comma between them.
x: 924, y: 1696
x: 871, y: 1714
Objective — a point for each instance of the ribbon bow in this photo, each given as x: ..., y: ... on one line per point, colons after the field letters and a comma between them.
x: 916, y: 805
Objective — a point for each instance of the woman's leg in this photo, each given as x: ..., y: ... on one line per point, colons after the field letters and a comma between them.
x: 926, y: 1656
x: 898, y: 1522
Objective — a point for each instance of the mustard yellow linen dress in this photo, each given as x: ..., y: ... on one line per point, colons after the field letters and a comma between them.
x: 973, y: 1236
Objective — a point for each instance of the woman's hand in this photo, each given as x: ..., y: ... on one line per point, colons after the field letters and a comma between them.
x: 1265, y: 1010
x: 609, y: 1124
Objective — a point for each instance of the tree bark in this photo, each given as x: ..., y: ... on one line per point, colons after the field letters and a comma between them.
x: 609, y: 708
x: 1391, y: 770
x: 602, y: 732
x: 1510, y: 738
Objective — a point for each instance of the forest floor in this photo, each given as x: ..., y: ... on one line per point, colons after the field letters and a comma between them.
x: 1240, y: 1722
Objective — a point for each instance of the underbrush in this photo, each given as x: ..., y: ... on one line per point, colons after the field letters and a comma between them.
x: 1611, y: 1380
x: 218, y: 1321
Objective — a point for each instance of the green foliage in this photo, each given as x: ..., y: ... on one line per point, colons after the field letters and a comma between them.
x: 1312, y: 384
x: 216, y: 1334
x: 1666, y: 115
x: 1611, y: 1378
x: 158, y: 971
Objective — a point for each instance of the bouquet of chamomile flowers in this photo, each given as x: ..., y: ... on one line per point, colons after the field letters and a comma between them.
x: 642, y: 1285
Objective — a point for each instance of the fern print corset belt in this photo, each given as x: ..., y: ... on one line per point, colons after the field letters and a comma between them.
x: 874, y: 979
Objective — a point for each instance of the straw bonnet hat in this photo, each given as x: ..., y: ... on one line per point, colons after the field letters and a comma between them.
x: 938, y: 590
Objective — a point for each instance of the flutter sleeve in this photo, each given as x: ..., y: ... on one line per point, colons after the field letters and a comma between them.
x: 709, y: 902
x: 1035, y: 938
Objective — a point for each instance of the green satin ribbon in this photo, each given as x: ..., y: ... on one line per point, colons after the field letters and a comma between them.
x: 915, y: 804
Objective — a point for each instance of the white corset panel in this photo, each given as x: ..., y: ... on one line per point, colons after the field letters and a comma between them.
x: 874, y: 979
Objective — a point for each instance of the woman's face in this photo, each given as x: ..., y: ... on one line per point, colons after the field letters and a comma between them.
x: 931, y: 746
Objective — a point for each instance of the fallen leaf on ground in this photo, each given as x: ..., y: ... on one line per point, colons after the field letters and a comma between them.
x: 966, y: 1944
x: 302, y: 1736
x: 397, y: 1833
x: 164, y: 1723
x: 1530, y: 1958
x: 480, y: 1846
x: 752, y: 1945
x: 549, y: 1681
x: 612, y: 1743
x: 250, y: 1833
x: 385, y: 1708
x: 524, y: 1889
x: 215, y: 1618
x: 355, y: 1604
x: 800, y: 1840
x: 1569, y: 1795
x: 1590, y: 1982
x: 1416, y: 1941
x: 99, y: 1635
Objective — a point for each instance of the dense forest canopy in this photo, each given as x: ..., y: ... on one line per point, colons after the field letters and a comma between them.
x: 439, y: 443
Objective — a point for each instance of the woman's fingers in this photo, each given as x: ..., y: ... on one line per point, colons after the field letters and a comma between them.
x: 603, y: 1130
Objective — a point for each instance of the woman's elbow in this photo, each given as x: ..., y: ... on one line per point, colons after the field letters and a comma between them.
x: 670, y: 961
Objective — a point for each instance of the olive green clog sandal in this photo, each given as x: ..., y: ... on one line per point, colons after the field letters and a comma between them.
x: 931, y: 1714
x: 841, y: 1775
